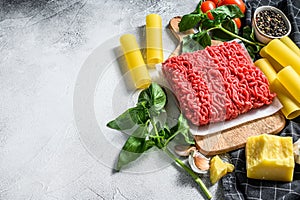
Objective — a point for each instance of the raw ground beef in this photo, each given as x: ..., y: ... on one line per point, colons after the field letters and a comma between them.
x: 217, y: 83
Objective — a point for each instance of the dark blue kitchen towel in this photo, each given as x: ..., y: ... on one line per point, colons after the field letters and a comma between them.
x: 236, y: 185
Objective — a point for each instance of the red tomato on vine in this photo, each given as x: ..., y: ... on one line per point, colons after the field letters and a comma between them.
x: 238, y: 22
x: 216, y: 2
x: 206, y: 6
x: 239, y: 3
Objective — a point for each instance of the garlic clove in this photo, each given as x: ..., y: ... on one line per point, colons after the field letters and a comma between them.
x: 201, y: 163
x: 183, y: 150
x: 198, y: 162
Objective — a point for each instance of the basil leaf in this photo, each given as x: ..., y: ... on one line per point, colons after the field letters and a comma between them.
x: 230, y: 25
x: 189, y: 44
x: 198, y: 7
x: 253, y: 50
x: 135, y: 145
x: 190, y: 21
x: 166, y: 132
x: 248, y: 33
x: 180, y: 129
x: 226, y: 12
x: 153, y: 98
x: 202, y: 38
x: 207, y: 24
x: 189, y: 138
x: 130, y: 118
x: 184, y: 129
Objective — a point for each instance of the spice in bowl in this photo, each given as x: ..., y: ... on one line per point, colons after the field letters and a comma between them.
x: 270, y: 23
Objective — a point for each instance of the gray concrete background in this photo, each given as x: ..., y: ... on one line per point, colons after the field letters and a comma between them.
x: 43, y: 45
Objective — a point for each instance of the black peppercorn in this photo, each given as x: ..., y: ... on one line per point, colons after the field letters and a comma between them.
x: 271, y: 23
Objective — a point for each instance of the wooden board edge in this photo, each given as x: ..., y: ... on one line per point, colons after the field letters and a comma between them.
x: 202, y: 141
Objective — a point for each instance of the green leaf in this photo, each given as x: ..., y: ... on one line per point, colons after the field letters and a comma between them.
x: 190, y: 21
x: 248, y: 33
x: 196, y: 42
x: 166, y: 132
x: 226, y: 12
x: 181, y: 128
x: 130, y: 118
x: 190, y: 45
x: 184, y: 129
x: 253, y: 50
x: 135, y: 145
x: 188, y: 137
x: 153, y: 98
x: 198, y: 8
x: 231, y: 26
x: 218, y: 34
x: 202, y: 38
x: 207, y: 24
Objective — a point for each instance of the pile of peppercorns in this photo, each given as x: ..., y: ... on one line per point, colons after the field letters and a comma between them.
x: 271, y: 23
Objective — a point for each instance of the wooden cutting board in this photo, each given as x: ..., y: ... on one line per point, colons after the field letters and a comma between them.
x: 236, y: 137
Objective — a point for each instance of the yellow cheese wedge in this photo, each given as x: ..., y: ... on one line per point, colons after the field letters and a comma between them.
x: 218, y: 169
x: 270, y: 157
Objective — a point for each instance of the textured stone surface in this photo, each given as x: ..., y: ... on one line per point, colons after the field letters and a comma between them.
x: 43, y: 45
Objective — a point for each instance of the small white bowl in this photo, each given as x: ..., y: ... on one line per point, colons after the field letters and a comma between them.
x: 262, y: 37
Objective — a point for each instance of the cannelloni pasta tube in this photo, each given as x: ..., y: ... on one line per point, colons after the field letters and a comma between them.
x: 265, y: 66
x: 154, y: 39
x: 283, y: 54
x: 135, y: 61
x: 276, y: 66
x: 288, y: 42
x: 291, y: 108
x: 290, y: 80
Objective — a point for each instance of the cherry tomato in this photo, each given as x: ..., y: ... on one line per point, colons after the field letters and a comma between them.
x: 239, y: 3
x: 238, y: 22
x: 206, y: 6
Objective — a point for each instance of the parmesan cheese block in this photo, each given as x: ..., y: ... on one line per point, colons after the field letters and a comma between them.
x: 218, y: 169
x: 270, y: 157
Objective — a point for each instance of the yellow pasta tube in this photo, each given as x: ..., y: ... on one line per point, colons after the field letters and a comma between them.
x: 154, y: 39
x: 283, y: 54
x: 276, y: 66
x: 290, y: 107
x: 290, y: 80
x: 265, y: 66
x: 288, y: 42
x: 135, y: 61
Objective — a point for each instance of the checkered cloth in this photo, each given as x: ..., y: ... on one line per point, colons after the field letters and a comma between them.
x: 290, y: 7
x: 236, y: 185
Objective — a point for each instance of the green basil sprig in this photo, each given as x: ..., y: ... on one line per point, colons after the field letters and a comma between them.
x: 147, y: 127
x: 222, y: 28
